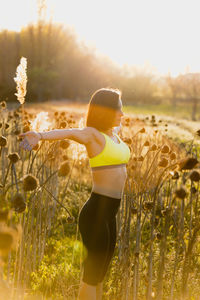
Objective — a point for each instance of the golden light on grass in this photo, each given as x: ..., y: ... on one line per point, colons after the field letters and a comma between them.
x: 41, y: 122
x: 21, y: 80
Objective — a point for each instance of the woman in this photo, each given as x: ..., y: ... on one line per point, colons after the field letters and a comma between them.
x: 108, y: 156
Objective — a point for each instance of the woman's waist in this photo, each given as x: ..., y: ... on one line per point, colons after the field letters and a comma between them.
x: 109, y: 191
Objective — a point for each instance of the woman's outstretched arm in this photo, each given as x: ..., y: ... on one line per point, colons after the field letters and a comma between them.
x: 80, y: 135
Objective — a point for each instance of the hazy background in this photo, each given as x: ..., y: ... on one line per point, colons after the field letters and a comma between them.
x: 148, y: 49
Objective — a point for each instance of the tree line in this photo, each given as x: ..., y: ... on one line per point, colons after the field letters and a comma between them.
x: 60, y: 67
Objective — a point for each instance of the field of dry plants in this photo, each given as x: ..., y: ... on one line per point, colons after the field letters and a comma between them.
x: 42, y: 191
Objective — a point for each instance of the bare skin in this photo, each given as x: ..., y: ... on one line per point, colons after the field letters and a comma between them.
x: 109, y: 182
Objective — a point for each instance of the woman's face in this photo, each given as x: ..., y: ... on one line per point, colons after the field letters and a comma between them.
x: 118, y: 115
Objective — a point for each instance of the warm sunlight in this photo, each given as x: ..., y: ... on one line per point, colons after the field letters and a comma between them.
x: 158, y: 35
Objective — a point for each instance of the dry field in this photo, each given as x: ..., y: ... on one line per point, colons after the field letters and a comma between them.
x: 42, y: 191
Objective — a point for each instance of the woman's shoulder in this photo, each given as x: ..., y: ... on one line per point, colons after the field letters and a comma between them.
x: 95, y: 134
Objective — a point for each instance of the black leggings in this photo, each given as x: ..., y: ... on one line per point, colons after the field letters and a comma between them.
x: 97, y: 225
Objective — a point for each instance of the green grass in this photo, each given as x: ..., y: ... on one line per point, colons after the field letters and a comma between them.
x: 183, y: 111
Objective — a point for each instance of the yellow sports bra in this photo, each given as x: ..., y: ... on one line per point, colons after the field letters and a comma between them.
x: 112, y: 153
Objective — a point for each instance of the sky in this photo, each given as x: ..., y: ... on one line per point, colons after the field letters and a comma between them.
x: 159, y: 35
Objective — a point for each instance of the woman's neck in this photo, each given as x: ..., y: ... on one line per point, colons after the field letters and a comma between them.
x: 109, y: 132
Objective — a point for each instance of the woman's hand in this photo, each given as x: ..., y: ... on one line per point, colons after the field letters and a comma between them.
x: 31, y: 139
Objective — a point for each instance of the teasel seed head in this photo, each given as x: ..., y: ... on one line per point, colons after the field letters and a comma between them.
x: 133, y: 210
x: 63, y: 124
x: 146, y: 144
x: 14, y: 157
x: 18, y: 203
x: 165, y: 149
x: 35, y: 147
x: 193, y: 190
x: 142, y: 130
x: 140, y: 158
x: 64, y: 144
x: 26, y: 128
x: 153, y: 147
x: 64, y: 169
x: 70, y: 220
x: 175, y: 175
x: 163, y: 163
x: 127, y: 140
x: 65, y: 157
x: 3, y: 141
x: 188, y: 163
x: 172, y: 156
x: 159, y: 236
x: 180, y: 193
x: 148, y: 204
x: 30, y: 182
x: 3, y: 104
x: 7, y: 126
x: 198, y: 132
x: 195, y: 176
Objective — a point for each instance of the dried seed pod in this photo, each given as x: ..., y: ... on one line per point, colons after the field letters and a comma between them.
x: 156, y: 221
x: 146, y: 144
x: 193, y: 190
x: 35, y: 147
x: 64, y: 169
x: 26, y: 128
x: 136, y: 253
x: 159, y: 236
x: 195, y: 176
x: 165, y: 149
x: 16, y: 132
x: 127, y: 140
x: 163, y: 163
x: 65, y: 157
x: 7, y: 126
x: 19, y: 204
x: 140, y: 158
x: 30, y: 182
x: 3, y: 104
x: 180, y: 193
x: 188, y: 163
x: 70, y: 220
x: 198, y: 132
x: 133, y: 210
x: 153, y: 147
x: 3, y: 141
x: 172, y: 156
x: 158, y: 212
x: 63, y: 124
x: 142, y: 130
x: 176, y: 175
x: 148, y: 204
x: 64, y: 144
x: 14, y: 157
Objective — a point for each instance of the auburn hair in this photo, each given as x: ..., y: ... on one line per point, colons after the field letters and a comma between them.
x: 102, y: 108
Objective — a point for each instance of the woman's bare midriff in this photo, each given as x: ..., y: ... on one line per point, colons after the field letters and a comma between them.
x: 106, y: 181
x: 109, y: 182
